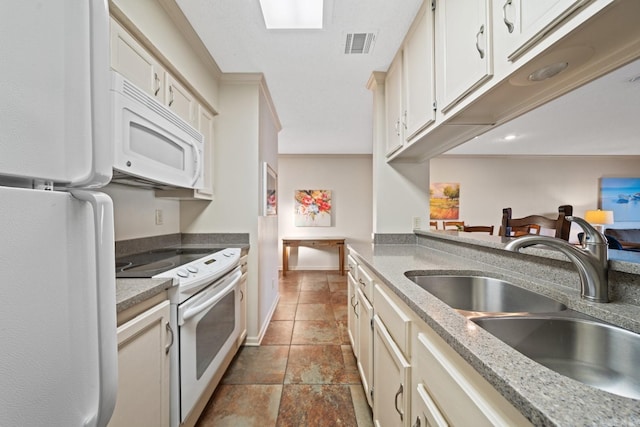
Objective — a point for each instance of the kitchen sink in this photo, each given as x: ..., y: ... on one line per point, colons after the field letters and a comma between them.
x: 598, y: 354
x: 484, y: 294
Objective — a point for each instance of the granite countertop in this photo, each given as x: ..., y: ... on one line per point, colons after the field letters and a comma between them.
x: 130, y: 292
x: 543, y: 396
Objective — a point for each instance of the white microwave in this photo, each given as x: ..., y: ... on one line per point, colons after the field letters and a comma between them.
x: 153, y: 147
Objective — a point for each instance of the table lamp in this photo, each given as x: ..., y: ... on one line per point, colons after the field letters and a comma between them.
x: 598, y: 218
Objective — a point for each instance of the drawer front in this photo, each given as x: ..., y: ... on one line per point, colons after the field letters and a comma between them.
x: 457, y: 390
x: 397, y: 322
x: 352, y: 266
x: 425, y: 411
x: 365, y: 282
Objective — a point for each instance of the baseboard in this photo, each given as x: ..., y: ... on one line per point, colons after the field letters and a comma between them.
x: 256, y: 340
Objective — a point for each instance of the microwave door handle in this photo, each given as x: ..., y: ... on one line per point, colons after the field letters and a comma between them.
x: 199, y: 166
x: 102, y: 207
x: 192, y: 311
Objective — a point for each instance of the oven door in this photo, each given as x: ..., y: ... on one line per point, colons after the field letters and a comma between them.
x: 208, y: 327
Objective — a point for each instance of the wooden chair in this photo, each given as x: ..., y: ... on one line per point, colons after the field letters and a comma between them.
x: 561, y: 225
x: 479, y: 229
x: 433, y: 224
x: 453, y: 225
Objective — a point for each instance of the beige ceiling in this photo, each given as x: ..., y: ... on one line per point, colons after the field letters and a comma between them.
x: 321, y: 99
x: 319, y: 91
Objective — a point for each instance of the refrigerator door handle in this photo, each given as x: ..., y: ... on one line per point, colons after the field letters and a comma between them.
x: 106, y: 310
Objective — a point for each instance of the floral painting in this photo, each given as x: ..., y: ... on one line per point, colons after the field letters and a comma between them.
x: 444, y: 202
x: 313, y: 208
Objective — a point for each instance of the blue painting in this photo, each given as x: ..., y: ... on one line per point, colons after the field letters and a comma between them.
x: 622, y: 196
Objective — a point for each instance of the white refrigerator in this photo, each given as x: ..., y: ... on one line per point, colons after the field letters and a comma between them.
x: 58, y: 348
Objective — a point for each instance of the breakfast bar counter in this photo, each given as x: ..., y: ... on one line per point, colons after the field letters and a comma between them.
x: 541, y: 395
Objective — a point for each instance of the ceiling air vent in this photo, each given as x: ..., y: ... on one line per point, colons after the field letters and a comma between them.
x: 359, y: 43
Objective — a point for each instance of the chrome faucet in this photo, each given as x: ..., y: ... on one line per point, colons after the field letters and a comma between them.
x: 591, y: 258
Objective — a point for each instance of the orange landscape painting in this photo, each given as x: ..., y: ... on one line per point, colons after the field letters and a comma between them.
x: 444, y: 200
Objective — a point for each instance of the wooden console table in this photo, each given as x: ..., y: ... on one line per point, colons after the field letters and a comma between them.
x: 311, y: 242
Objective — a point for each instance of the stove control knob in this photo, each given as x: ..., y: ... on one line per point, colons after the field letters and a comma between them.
x: 182, y: 272
x: 192, y: 269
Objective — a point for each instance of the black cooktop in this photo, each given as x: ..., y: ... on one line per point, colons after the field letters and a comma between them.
x: 148, y: 264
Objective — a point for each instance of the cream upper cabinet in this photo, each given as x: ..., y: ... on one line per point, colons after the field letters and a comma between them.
x: 205, y: 126
x: 419, y: 74
x: 133, y: 61
x: 180, y: 100
x: 394, y: 107
x: 463, y: 49
x: 525, y: 22
x: 143, y: 369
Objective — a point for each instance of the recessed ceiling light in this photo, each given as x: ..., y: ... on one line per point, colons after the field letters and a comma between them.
x: 292, y: 14
x: 510, y: 137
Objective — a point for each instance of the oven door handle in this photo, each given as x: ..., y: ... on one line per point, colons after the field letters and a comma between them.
x: 192, y: 311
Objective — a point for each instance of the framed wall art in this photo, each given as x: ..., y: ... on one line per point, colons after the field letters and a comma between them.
x: 269, y: 191
x: 444, y: 200
x: 313, y: 208
x: 622, y: 196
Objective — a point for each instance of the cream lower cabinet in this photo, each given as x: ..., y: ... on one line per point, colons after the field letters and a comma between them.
x: 365, y: 343
x: 242, y: 300
x: 391, y: 379
x: 143, y: 369
x: 448, y: 391
x: 352, y: 309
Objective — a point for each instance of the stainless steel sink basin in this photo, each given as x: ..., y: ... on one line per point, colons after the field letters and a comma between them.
x: 484, y: 294
x: 597, y: 354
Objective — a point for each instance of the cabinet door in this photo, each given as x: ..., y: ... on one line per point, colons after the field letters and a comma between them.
x: 462, y: 396
x: 143, y: 369
x: 391, y: 386
x: 527, y: 21
x: 365, y: 343
x: 242, y: 300
x: 424, y: 411
x: 394, y: 107
x: 205, y: 126
x: 352, y: 313
x: 180, y: 100
x: 463, y: 43
x: 419, y: 74
x: 131, y: 60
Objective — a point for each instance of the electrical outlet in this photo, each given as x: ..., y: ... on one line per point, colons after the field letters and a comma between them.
x: 159, y: 218
x: 417, y: 222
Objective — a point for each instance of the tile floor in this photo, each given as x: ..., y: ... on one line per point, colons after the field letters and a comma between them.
x: 304, y: 373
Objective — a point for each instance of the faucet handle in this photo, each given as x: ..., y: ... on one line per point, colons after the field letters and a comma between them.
x: 591, y: 235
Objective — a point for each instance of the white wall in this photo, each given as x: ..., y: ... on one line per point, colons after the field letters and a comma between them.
x: 529, y: 185
x: 349, y: 178
x: 400, y: 190
x: 135, y: 213
x: 245, y: 134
